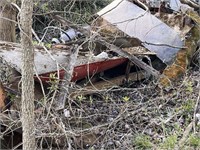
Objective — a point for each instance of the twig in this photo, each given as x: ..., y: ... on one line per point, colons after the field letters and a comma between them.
x: 159, y: 44
x: 195, y: 111
x: 143, y: 5
x: 181, y: 143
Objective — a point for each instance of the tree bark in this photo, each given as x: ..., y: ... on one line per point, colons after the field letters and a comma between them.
x: 27, y: 76
x: 7, y: 21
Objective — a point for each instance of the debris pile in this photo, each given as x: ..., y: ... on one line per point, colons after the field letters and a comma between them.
x: 77, y: 78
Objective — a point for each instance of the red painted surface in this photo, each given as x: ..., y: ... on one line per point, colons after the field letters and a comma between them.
x: 85, y: 70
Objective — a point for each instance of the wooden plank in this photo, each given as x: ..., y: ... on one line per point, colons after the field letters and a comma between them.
x: 114, y: 82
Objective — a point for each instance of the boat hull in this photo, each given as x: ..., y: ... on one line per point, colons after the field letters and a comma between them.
x: 85, y: 70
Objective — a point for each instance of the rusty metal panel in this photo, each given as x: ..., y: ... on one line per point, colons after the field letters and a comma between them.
x: 136, y: 22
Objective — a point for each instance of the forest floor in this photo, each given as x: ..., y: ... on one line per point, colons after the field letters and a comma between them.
x: 141, y: 115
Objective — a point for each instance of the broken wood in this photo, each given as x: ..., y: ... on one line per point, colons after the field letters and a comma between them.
x: 139, y: 50
x: 117, y: 81
x: 65, y: 84
x: 128, y: 69
x: 103, y: 85
x: 132, y: 58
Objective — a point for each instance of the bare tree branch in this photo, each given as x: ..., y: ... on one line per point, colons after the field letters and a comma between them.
x: 190, y: 3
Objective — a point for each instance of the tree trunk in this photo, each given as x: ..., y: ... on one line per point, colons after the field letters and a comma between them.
x: 27, y: 76
x: 7, y: 21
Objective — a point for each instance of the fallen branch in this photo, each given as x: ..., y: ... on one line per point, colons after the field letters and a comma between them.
x: 64, y: 86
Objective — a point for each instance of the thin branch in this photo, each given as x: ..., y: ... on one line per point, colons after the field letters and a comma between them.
x: 195, y: 111
x: 191, y: 3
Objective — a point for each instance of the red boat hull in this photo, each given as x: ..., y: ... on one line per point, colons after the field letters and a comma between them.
x: 85, y: 70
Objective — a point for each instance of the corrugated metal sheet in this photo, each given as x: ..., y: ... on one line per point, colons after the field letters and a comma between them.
x: 136, y: 22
